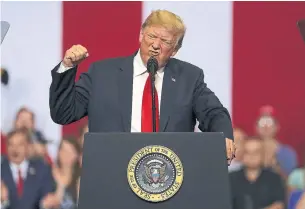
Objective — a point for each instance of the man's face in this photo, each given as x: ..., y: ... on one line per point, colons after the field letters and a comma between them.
x: 17, y: 148
x: 159, y: 42
x: 253, y: 154
x: 25, y: 120
x: 267, y: 127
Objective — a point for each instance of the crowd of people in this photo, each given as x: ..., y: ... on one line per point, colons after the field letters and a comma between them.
x: 29, y: 175
x: 264, y: 174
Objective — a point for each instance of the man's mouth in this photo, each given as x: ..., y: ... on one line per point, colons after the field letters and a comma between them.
x: 153, y: 53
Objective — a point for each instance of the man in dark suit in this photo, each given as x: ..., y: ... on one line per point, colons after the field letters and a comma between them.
x: 26, y: 183
x: 116, y: 95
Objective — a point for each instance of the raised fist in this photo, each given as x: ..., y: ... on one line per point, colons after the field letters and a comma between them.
x: 75, y: 55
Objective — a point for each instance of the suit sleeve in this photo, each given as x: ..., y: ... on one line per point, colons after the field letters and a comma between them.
x: 210, y: 113
x: 48, y: 184
x: 68, y: 100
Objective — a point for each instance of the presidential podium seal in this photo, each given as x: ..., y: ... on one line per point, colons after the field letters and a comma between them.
x: 155, y: 173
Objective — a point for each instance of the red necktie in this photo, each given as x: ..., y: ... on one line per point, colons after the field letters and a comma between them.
x: 146, y: 123
x: 48, y: 159
x: 20, y: 183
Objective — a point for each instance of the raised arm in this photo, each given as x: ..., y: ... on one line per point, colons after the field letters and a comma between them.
x: 68, y: 100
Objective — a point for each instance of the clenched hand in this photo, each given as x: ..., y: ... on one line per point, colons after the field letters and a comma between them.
x: 75, y: 55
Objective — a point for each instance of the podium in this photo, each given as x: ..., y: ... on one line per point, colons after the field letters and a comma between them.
x: 154, y: 171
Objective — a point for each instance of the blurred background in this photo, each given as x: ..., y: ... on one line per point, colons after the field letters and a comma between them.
x: 252, y: 55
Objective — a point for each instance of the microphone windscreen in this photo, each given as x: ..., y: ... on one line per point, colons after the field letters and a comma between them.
x: 4, y: 76
x: 152, y: 65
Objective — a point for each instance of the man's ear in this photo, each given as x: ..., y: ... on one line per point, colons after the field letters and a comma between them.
x: 141, y: 36
x: 174, y: 52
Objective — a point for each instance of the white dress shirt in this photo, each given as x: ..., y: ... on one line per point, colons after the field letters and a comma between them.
x: 14, y: 169
x: 23, y: 168
x: 139, y: 80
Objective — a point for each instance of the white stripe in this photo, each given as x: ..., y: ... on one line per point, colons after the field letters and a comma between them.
x: 207, y: 43
x: 31, y: 49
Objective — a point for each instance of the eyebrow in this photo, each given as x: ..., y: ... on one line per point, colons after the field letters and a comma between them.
x: 170, y: 41
x: 153, y: 34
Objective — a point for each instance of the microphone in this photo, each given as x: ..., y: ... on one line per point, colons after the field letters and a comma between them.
x: 4, y: 76
x: 152, y: 67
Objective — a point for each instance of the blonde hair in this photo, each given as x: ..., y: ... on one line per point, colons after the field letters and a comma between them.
x: 170, y: 21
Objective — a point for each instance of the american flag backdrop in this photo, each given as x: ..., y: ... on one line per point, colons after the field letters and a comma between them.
x: 251, y: 52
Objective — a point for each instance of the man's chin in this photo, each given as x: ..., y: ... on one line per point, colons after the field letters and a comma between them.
x: 16, y: 160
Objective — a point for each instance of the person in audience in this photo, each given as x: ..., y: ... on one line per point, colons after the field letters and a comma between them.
x: 26, y: 183
x: 25, y: 118
x: 66, y: 172
x: 278, y: 156
x: 239, y: 137
x: 254, y: 186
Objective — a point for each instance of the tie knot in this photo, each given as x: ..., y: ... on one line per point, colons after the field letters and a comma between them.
x: 19, y: 172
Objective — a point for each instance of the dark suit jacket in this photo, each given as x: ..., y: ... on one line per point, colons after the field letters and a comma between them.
x: 104, y: 94
x: 37, y: 184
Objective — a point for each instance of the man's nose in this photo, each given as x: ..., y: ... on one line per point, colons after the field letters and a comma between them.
x: 156, y: 44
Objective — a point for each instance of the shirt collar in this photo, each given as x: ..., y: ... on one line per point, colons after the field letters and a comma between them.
x: 22, y: 166
x: 140, y: 68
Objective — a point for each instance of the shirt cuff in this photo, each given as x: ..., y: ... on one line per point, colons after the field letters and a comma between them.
x: 62, y: 68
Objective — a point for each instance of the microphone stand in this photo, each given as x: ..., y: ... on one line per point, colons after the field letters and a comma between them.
x: 152, y: 78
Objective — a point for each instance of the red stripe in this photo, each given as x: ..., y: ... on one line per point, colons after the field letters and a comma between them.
x: 269, y: 66
x: 106, y: 29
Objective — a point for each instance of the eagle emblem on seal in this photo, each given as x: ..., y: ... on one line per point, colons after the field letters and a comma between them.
x: 155, y: 173
x: 154, y: 170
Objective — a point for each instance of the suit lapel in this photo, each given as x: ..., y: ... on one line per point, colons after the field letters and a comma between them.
x: 169, y: 90
x: 6, y: 172
x: 125, y: 82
